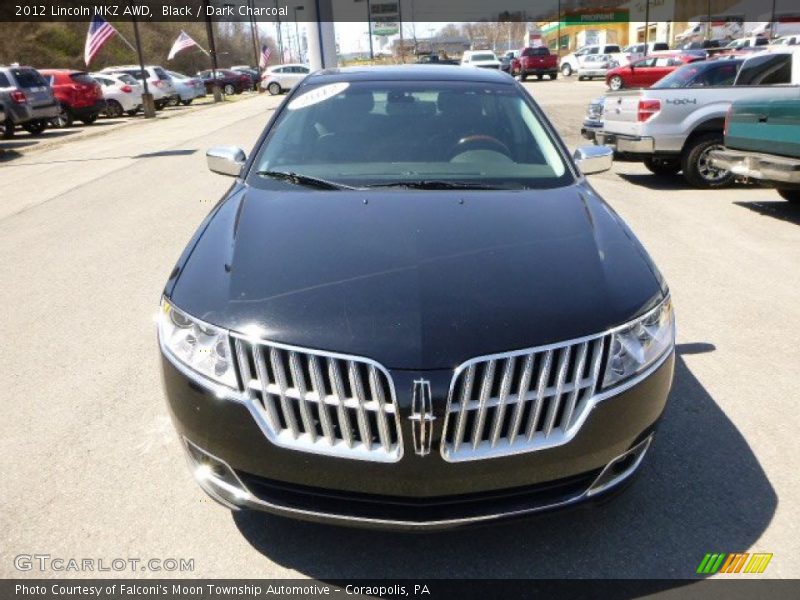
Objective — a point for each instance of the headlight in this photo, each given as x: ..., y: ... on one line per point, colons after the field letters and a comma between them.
x: 639, y: 344
x: 199, y: 346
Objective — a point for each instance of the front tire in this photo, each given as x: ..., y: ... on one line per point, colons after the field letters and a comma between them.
x: 696, y: 165
x: 566, y: 69
x: 792, y: 196
x: 616, y: 83
x: 662, y: 166
x: 228, y: 90
x: 88, y: 120
x: 35, y: 127
x: 274, y: 88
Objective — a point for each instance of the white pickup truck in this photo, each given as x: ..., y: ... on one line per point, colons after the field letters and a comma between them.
x: 674, y: 130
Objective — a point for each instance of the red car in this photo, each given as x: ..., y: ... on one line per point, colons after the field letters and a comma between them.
x: 535, y: 60
x: 646, y: 71
x: 78, y: 96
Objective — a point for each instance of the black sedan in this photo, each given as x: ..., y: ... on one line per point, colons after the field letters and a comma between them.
x: 412, y: 310
x: 230, y: 82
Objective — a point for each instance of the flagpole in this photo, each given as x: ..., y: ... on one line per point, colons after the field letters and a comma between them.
x: 148, y: 107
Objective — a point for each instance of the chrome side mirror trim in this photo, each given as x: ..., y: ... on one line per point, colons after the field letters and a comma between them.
x: 226, y: 160
x: 593, y: 159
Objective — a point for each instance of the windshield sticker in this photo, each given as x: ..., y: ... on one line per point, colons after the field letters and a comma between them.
x: 318, y: 95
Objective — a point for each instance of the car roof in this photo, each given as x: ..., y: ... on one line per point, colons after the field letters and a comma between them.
x: 410, y: 73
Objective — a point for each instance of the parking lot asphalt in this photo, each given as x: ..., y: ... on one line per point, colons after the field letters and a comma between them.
x: 92, y: 468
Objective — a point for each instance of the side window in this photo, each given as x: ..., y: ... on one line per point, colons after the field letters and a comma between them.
x: 4, y: 80
x: 594, y: 50
x: 770, y: 69
x: 611, y: 49
x: 646, y: 63
x: 663, y: 62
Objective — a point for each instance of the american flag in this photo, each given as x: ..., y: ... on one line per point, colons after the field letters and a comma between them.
x: 265, y: 52
x: 100, y: 31
x: 184, y: 41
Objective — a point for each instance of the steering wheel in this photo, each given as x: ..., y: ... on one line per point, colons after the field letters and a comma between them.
x: 478, y: 142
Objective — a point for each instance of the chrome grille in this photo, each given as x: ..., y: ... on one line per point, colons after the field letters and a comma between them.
x: 320, y: 402
x: 520, y: 401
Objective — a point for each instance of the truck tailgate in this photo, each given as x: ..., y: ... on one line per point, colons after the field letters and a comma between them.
x: 619, y: 113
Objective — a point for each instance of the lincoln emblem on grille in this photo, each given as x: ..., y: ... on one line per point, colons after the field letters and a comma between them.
x: 422, y: 417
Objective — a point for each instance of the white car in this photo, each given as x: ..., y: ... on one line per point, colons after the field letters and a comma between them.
x: 748, y: 42
x: 123, y: 94
x: 787, y: 40
x: 188, y: 88
x: 159, y: 83
x: 596, y: 65
x: 485, y: 59
x: 282, y: 78
x: 570, y: 63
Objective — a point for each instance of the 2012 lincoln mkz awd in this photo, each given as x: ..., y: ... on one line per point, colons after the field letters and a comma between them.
x: 411, y: 310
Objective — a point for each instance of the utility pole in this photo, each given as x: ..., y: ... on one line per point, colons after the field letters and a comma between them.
x: 646, y: 26
x: 212, y: 48
x: 148, y: 106
x: 369, y: 30
x: 254, y: 33
x: 772, y: 24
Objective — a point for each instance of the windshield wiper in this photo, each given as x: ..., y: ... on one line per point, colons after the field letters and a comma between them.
x: 305, y: 180
x: 435, y: 184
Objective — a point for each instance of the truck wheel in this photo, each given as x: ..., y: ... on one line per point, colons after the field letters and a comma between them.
x: 8, y: 128
x: 35, y: 127
x: 89, y: 119
x: 615, y: 83
x: 523, y: 76
x: 566, y: 70
x: 581, y: 77
x: 554, y: 75
x: 662, y: 166
x: 792, y: 196
x: 539, y: 77
x: 696, y: 165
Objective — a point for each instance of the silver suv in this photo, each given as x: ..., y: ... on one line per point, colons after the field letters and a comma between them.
x: 26, y: 100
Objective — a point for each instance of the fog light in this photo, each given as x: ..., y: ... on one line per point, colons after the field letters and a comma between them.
x: 620, y: 468
x: 216, y: 477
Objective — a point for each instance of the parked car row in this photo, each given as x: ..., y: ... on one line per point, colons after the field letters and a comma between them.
x: 37, y: 99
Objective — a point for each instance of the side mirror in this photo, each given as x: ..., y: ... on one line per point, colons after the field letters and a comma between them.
x: 593, y: 159
x: 226, y: 160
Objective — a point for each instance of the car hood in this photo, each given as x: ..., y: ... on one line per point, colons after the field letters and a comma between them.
x: 415, y: 279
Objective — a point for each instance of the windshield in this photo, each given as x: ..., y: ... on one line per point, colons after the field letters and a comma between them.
x: 701, y: 74
x: 385, y: 132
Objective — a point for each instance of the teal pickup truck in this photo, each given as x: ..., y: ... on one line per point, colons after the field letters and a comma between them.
x: 762, y: 141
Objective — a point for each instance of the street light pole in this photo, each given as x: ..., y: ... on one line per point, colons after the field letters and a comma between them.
x: 646, y: 25
x: 297, y: 32
x: 280, y: 30
x: 369, y: 30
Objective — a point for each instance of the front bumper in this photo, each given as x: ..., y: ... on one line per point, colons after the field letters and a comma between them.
x: 626, y: 143
x: 417, y: 492
x: 767, y: 167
